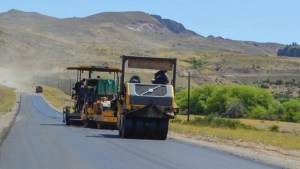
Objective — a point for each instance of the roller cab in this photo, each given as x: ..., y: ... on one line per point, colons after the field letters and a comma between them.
x: 144, y: 109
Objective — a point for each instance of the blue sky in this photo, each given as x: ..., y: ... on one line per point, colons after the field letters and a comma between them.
x: 253, y: 20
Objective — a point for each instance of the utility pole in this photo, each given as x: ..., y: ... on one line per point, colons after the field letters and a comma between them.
x: 189, y: 89
x: 70, y: 86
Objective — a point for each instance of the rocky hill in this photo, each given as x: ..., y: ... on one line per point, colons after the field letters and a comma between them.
x: 42, y: 41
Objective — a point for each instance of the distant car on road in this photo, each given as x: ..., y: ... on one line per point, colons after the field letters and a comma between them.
x: 38, y: 89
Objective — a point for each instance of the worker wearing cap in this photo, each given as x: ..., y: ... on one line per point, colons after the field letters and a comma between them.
x: 160, y: 77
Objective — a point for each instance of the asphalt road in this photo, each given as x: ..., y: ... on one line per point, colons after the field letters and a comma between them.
x: 39, y: 140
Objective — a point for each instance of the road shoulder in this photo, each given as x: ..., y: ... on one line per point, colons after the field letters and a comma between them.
x: 261, y: 153
x: 8, y: 119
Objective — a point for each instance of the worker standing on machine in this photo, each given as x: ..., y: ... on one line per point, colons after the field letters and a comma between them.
x: 80, y: 92
x: 79, y: 85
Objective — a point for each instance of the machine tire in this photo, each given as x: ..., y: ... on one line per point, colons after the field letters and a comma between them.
x: 66, y: 117
x: 119, y: 127
x: 163, y: 126
x: 99, y: 125
x: 151, y: 128
x: 85, y: 123
x: 139, y: 128
x: 68, y: 122
x: 127, y: 128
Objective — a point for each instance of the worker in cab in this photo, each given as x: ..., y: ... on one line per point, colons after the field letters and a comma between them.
x: 160, y: 77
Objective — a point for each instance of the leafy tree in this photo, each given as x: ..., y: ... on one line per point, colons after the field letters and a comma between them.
x: 275, y: 110
x: 279, y: 82
x: 236, y: 110
x: 237, y: 101
x: 292, y: 105
x: 181, y: 99
x: 247, y: 96
x: 291, y: 110
x: 199, y: 98
x: 296, y: 117
x: 258, y: 112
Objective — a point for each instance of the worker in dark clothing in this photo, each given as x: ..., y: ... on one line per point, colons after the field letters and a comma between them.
x: 82, y: 81
x: 80, y: 89
x: 160, y: 77
x: 79, y: 85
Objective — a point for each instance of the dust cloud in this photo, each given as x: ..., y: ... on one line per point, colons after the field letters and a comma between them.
x: 22, y: 80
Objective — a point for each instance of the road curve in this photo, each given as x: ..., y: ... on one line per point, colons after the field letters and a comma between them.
x: 38, y: 140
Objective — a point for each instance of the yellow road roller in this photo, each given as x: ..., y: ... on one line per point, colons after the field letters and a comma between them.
x: 144, y: 108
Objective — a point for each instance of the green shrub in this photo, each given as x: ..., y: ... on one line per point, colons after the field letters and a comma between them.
x: 275, y: 111
x: 235, y: 110
x: 297, y: 117
x: 274, y: 128
x: 258, y: 112
x: 181, y: 100
x: 282, y: 97
x: 293, y: 105
x: 264, y: 86
x: 198, y: 98
x: 238, y: 101
x: 291, y: 116
x: 196, y: 63
x: 290, y: 109
x: 279, y: 82
x: 248, y: 96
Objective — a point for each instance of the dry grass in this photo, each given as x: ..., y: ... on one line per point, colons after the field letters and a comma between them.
x: 234, y: 63
x: 222, y: 67
x: 289, y: 141
x: 286, y: 127
x: 282, y: 140
x: 7, y: 99
x: 56, y: 97
x: 265, y: 125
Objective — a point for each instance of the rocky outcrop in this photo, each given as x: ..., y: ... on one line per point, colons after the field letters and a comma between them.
x: 173, y: 26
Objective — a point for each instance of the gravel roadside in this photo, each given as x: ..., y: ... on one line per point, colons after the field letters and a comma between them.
x: 266, y: 154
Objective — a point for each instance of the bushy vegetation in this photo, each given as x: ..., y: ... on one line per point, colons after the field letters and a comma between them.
x: 274, y: 128
x: 196, y: 63
x: 239, y: 101
x: 291, y: 110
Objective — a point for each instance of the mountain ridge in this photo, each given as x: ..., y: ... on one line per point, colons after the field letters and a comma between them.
x: 34, y: 36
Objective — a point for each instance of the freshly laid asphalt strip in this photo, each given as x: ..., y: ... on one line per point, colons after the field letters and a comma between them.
x: 39, y: 140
